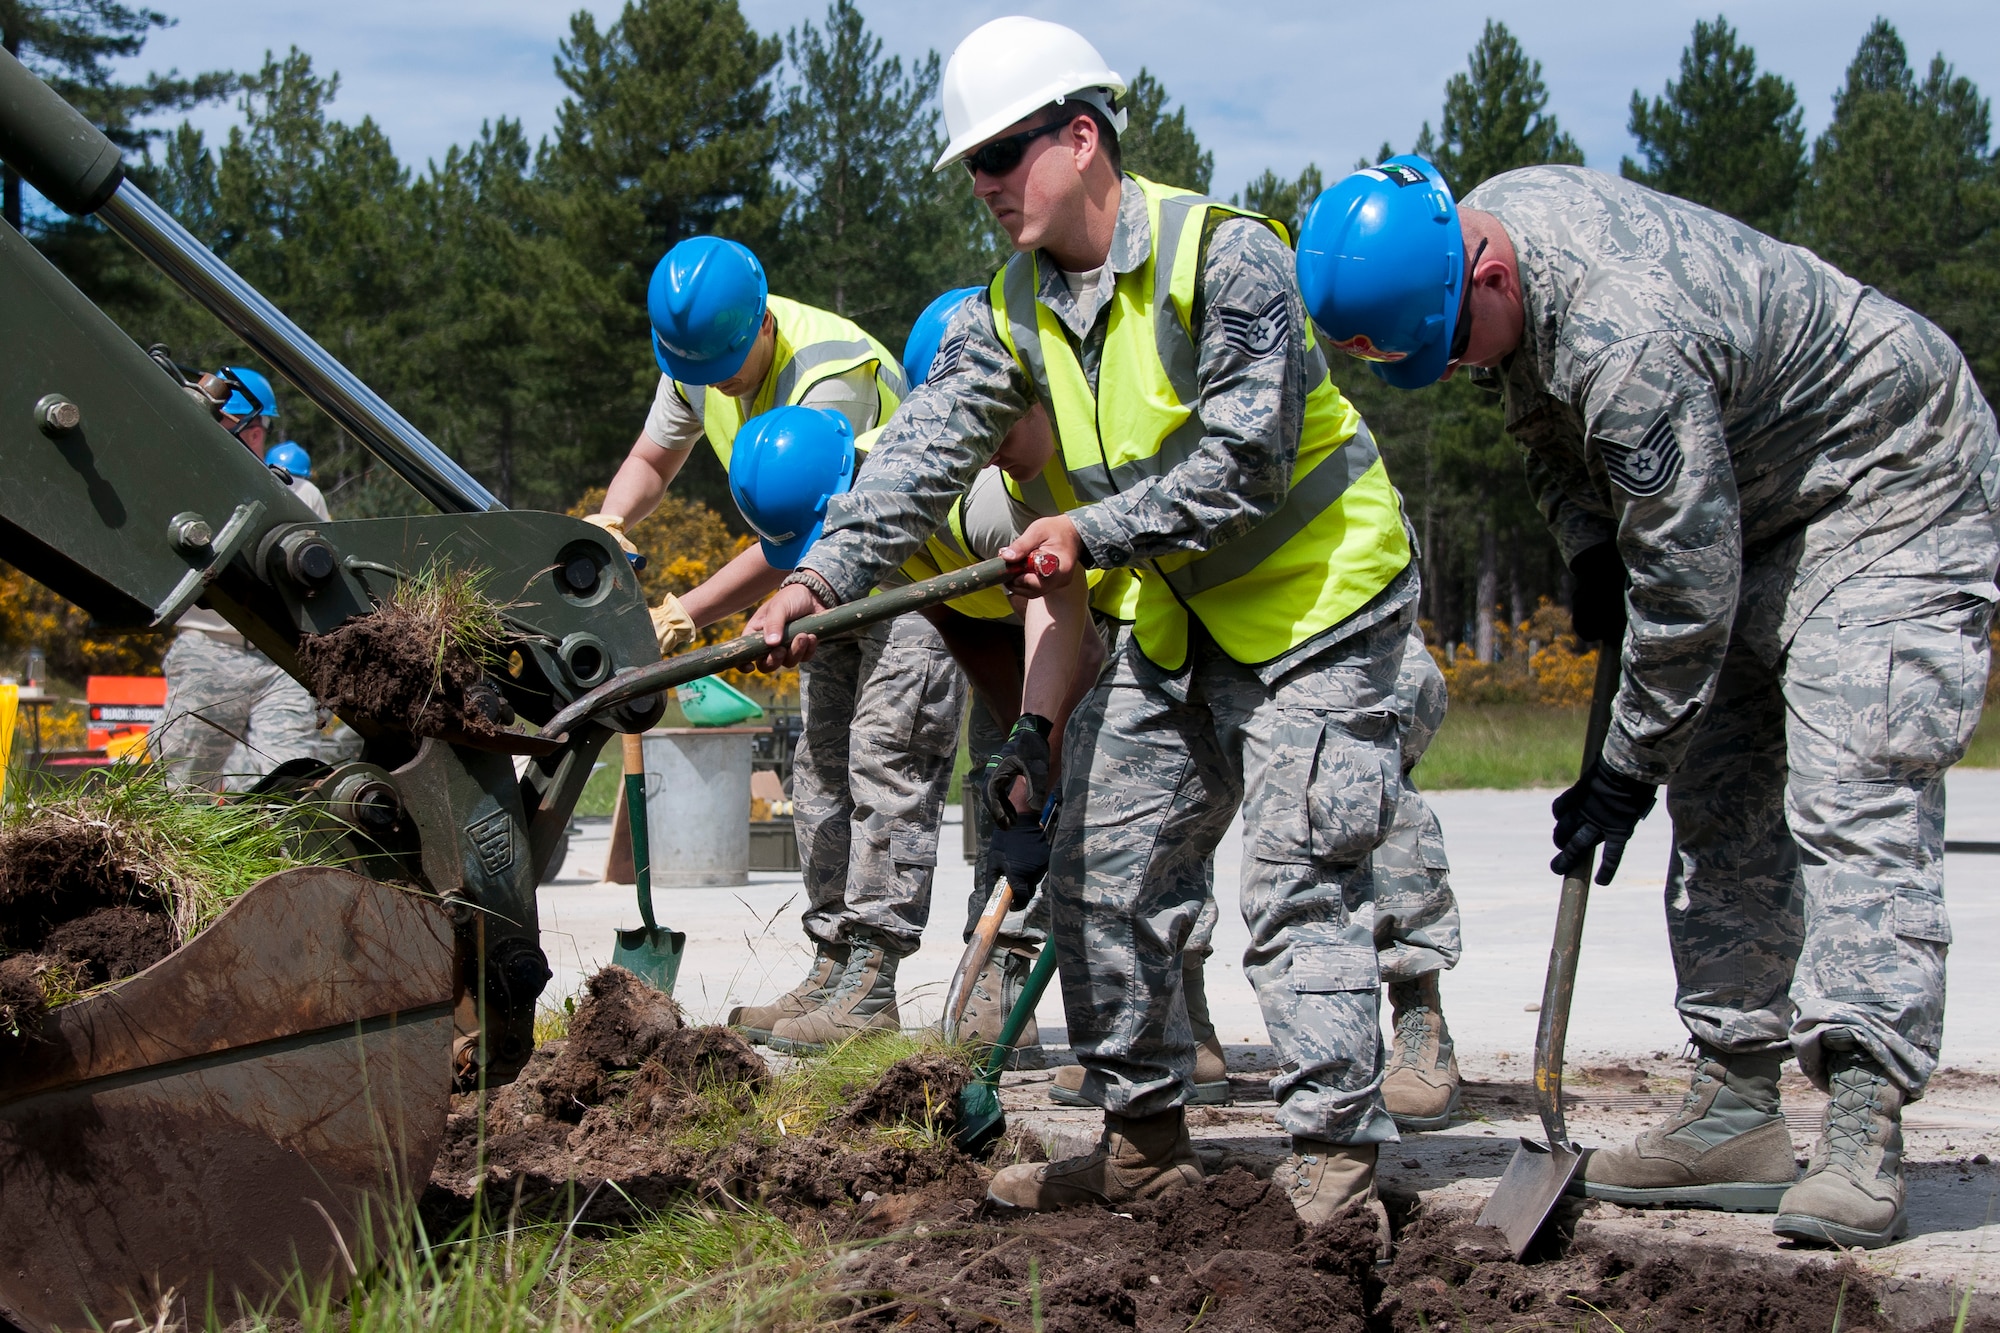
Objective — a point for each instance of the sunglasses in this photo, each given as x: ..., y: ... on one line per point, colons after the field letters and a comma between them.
x: 1003, y: 155
x: 1461, y: 336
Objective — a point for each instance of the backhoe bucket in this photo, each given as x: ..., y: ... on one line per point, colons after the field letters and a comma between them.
x: 265, y: 1101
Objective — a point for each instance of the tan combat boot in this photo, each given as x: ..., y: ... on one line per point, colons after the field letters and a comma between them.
x: 1420, y: 1082
x: 1852, y: 1192
x: 1323, y: 1180
x: 994, y: 991
x: 755, y: 1021
x: 1727, y: 1147
x: 861, y: 999
x: 1138, y: 1157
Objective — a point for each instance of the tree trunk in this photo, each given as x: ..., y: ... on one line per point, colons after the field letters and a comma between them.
x: 504, y: 447
x: 1517, y: 595
x: 1489, y: 591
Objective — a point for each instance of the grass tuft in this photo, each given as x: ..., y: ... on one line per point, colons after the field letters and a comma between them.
x: 452, y: 603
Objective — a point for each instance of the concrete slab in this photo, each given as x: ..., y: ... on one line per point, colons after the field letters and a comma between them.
x: 744, y: 946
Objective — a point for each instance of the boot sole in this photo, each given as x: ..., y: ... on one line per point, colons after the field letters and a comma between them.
x: 1205, y: 1094
x: 790, y: 1047
x: 1818, y: 1231
x: 1740, y: 1197
x: 1418, y: 1124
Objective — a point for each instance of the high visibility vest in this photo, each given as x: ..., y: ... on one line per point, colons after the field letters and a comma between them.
x: 812, y: 345
x: 1335, y: 542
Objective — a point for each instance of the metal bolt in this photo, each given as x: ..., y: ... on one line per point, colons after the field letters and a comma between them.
x: 190, y: 532
x: 581, y: 574
x: 308, y: 557
x: 57, y: 415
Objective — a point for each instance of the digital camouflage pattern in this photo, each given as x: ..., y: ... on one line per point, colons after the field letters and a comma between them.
x: 869, y: 777
x: 1252, y: 407
x: 232, y: 715
x: 1150, y: 785
x: 1416, y: 922
x: 1801, y: 476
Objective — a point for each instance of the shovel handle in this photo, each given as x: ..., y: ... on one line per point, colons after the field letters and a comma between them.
x: 635, y: 814
x: 638, y: 682
x: 977, y: 950
x: 1552, y: 1029
x: 1023, y: 1010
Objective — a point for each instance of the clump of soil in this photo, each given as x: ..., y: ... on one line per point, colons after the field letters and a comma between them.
x: 665, y: 1111
x: 417, y: 663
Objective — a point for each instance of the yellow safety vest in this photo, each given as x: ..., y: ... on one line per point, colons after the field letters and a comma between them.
x: 946, y: 551
x: 1335, y: 542
x: 812, y: 345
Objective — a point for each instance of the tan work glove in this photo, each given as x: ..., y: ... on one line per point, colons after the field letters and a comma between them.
x: 614, y: 525
x: 673, y: 626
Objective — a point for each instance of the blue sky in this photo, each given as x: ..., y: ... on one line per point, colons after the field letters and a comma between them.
x: 1266, y: 84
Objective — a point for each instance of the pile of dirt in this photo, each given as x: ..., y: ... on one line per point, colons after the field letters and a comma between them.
x: 1231, y: 1256
x: 397, y: 669
x: 72, y: 915
x: 634, y: 1097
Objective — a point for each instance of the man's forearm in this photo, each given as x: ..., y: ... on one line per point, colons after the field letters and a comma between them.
x: 737, y: 586
x: 641, y: 480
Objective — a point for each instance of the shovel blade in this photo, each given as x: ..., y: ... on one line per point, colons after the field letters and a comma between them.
x: 1527, y: 1193
x: 653, y: 955
x: 981, y: 1122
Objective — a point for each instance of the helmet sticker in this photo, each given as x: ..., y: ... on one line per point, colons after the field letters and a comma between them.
x: 1648, y: 467
x: 1402, y: 173
x: 1363, y: 346
x: 1259, y: 335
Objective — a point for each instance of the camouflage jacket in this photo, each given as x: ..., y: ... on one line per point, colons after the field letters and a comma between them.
x: 1706, y: 395
x: 1252, y: 407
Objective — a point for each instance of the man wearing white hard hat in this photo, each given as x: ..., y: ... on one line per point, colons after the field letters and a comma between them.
x: 1261, y: 574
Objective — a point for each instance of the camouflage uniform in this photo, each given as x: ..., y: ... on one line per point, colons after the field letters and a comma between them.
x: 232, y: 714
x: 1157, y: 762
x: 1802, y: 477
x: 869, y: 780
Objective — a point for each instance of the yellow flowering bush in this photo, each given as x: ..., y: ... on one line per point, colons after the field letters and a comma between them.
x: 1536, y: 661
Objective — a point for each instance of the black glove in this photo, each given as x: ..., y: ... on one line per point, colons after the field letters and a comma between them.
x: 1020, y: 855
x: 1597, y: 595
x: 1603, y: 807
x: 1025, y: 754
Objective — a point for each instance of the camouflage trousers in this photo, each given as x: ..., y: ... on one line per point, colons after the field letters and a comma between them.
x: 232, y: 715
x: 1806, y: 890
x: 869, y: 780
x: 1151, y: 782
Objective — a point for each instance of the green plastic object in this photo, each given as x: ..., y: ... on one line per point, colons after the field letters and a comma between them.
x: 714, y: 702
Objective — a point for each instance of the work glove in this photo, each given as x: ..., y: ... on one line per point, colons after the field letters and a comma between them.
x: 672, y: 626
x: 1597, y: 594
x: 1020, y: 854
x: 1603, y: 807
x: 614, y: 525
x: 1025, y: 754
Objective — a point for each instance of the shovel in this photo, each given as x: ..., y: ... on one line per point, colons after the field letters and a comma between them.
x: 1541, y: 1172
x: 651, y: 952
x: 980, y: 1119
x: 977, y: 951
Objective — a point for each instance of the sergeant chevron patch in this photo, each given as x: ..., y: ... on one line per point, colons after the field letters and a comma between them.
x: 1261, y: 334
x: 1648, y: 467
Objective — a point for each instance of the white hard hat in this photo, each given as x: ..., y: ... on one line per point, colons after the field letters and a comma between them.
x: 1013, y: 66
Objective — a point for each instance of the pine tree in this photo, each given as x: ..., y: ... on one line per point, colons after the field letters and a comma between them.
x: 1494, y: 116
x: 1159, y: 146
x: 1723, y: 135
x: 71, y: 43
x: 1286, y: 200
x: 1904, y: 192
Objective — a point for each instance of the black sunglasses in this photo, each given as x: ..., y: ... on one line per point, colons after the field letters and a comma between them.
x: 1461, y: 336
x: 1003, y: 155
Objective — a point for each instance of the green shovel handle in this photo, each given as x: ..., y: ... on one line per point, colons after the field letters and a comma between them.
x: 635, y: 816
x: 1022, y: 1012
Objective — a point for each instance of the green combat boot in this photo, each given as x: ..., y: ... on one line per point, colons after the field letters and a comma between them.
x: 1138, y: 1157
x: 1852, y: 1191
x: 756, y: 1021
x: 863, y: 999
x: 994, y: 991
x: 1420, y: 1083
x: 1211, y: 1071
x: 1727, y: 1147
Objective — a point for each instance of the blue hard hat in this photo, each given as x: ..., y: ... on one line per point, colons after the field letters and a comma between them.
x: 927, y: 334
x: 783, y: 468
x: 706, y: 301
x: 1382, y: 269
x: 254, y: 380
x: 290, y: 457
